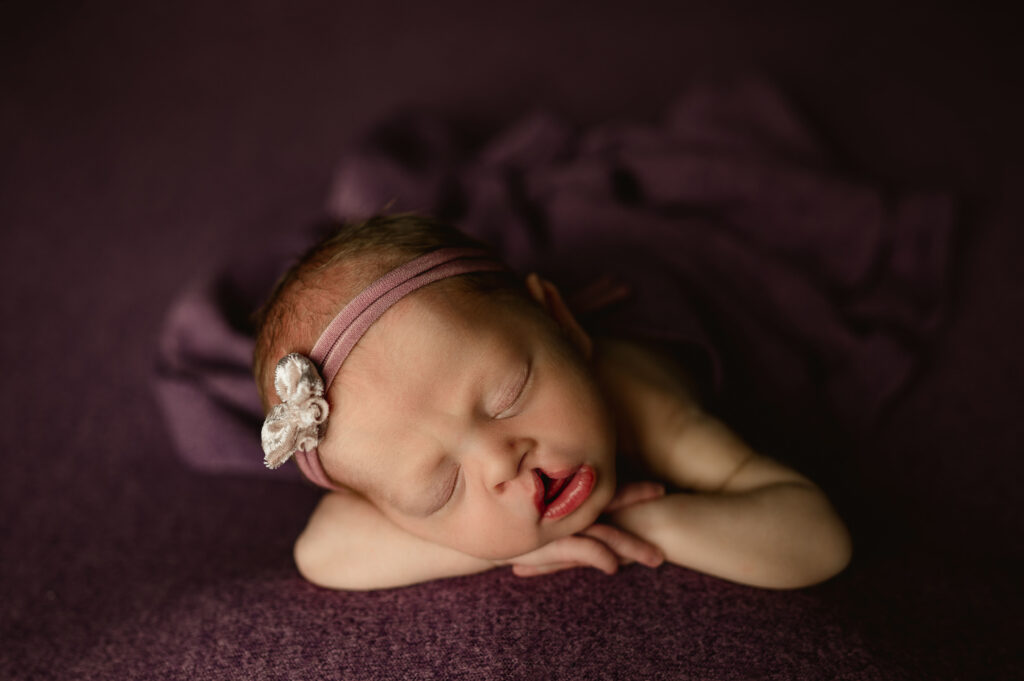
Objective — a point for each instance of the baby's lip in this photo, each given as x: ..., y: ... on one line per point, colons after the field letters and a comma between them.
x: 559, y: 493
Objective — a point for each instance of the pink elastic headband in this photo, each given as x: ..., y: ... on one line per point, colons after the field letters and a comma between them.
x: 295, y: 426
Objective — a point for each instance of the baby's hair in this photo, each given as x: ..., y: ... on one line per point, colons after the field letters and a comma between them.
x: 334, y: 270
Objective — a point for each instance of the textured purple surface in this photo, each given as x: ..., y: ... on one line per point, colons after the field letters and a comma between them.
x: 142, y: 147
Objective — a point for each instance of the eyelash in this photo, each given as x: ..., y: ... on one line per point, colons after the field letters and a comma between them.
x: 451, y: 489
x: 519, y: 391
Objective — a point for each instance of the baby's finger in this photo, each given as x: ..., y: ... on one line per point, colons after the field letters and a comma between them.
x: 537, y: 570
x: 627, y: 546
x: 635, y: 493
x: 582, y: 550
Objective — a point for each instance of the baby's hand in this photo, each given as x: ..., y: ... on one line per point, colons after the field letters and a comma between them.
x: 600, y: 546
x: 634, y: 493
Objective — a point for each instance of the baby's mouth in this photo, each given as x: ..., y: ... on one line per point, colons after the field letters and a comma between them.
x: 559, y: 493
x: 552, y: 486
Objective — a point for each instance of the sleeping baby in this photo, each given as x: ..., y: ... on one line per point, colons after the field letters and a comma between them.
x: 463, y: 419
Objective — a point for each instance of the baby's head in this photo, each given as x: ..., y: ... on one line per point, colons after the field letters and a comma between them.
x: 467, y: 414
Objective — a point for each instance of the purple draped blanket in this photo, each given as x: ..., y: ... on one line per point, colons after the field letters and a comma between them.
x: 803, y: 291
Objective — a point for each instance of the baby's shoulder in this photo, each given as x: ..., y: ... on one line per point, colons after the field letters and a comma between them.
x: 662, y: 367
x: 651, y: 396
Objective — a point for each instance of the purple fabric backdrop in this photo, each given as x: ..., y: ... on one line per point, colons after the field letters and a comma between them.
x: 795, y: 290
x: 145, y: 146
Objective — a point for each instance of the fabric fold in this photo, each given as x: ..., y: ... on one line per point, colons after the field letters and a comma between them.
x: 796, y: 284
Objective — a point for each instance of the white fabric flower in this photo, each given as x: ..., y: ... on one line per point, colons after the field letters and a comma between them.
x: 297, y: 422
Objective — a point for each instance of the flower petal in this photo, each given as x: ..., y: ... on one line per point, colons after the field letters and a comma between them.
x: 296, y: 423
x: 278, y: 436
x: 296, y: 378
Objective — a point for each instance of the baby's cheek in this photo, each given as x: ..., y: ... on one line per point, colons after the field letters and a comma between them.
x: 579, y: 409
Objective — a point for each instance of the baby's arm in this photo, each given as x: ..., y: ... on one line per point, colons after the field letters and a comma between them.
x: 749, y: 519
x: 349, y: 544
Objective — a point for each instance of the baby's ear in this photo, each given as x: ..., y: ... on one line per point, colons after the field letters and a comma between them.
x: 549, y: 297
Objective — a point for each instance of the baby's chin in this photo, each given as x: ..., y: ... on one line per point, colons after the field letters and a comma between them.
x: 583, y: 518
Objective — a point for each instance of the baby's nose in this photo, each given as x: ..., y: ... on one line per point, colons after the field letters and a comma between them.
x: 503, y: 460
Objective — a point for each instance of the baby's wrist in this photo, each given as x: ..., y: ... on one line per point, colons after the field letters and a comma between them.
x: 642, y: 518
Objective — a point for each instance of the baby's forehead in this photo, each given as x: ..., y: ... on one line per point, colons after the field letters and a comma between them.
x: 434, y: 330
x: 448, y: 311
x: 433, y: 357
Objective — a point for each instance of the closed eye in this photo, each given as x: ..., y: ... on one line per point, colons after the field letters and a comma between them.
x: 513, y: 395
x: 449, y: 492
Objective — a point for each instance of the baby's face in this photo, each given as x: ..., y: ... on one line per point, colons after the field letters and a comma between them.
x: 472, y: 424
